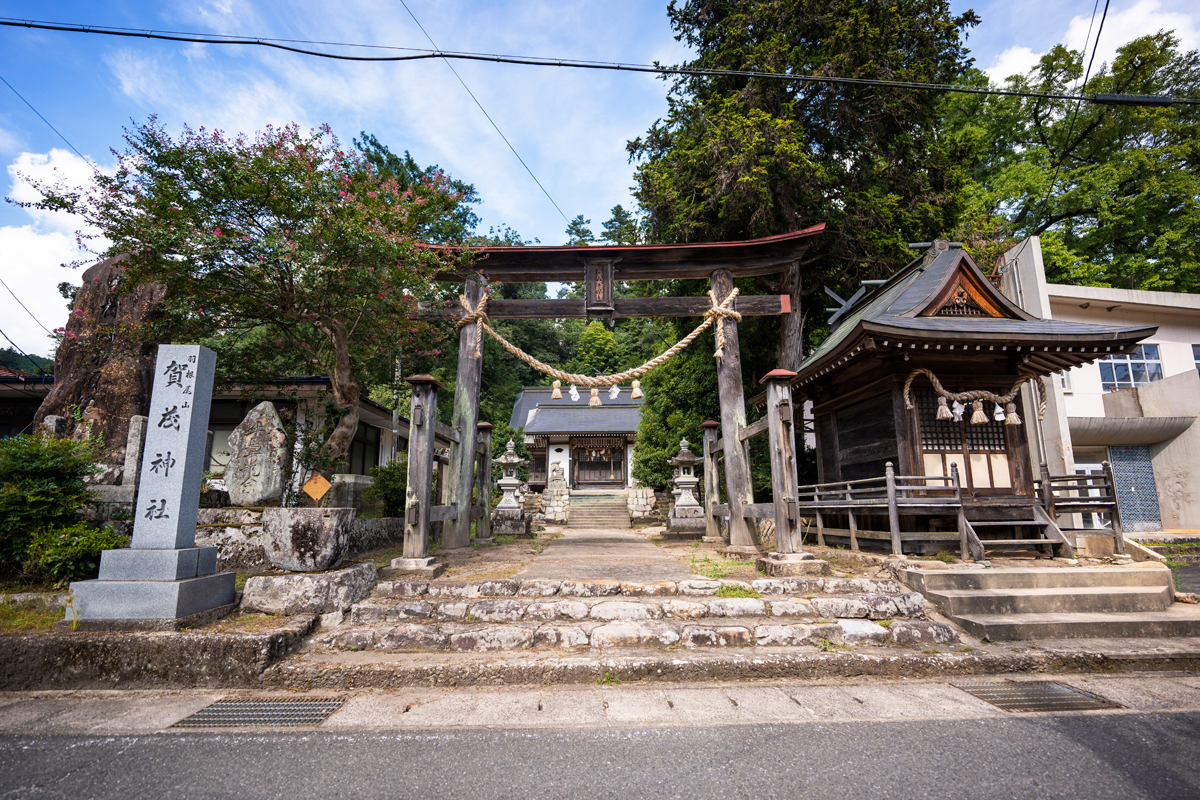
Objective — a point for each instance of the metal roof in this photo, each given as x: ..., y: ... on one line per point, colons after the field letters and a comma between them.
x: 535, y: 397
x: 582, y: 418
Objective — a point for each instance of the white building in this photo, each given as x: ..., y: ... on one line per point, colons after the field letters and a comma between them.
x: 1135, y: 411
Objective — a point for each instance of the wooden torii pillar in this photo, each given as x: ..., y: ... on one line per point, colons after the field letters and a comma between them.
x: 742, y: 531
x: 460, y: 476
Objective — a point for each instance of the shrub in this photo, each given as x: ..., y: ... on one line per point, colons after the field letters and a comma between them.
x: 60, y: 555
x: 389, y: 486
x: 41, y: 487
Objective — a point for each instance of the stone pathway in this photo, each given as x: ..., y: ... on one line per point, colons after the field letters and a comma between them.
x: 588, y: 554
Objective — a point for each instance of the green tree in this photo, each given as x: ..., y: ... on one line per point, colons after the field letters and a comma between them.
x: 1113, y: 191
x: 740, y: 157
x: 284, y: 234
x: 578, y: 232
x: 621, y: 228
x: 596, y: 351
x: 455, y: 227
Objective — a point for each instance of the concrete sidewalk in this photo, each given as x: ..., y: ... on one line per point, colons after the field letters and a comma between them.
x: 595, y: 707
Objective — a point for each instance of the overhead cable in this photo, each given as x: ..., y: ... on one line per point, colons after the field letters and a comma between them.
x: 43, y: 119
x: 417, y: 54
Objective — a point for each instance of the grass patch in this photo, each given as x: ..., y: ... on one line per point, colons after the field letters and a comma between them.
x: 714, y: 569
x: 886, y: 623
x: 246, y: 623
x: 239, y: 581
x: 736, y: 590
x: 24, y: 620
x: 608, y: 680
x: 944, y: 556
x: 503, y: 540
x: 826, y: 646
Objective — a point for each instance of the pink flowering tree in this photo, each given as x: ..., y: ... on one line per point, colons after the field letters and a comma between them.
x: 285, y: 244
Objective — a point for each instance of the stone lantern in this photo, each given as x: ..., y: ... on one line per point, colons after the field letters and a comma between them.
x: 508, y: 519
x: 687, y: 516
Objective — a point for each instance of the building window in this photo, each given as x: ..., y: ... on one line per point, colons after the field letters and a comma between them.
x: 1196, y: 355
x: 364, y: 450
x: 1135, y: 369
x: 1064, y: 379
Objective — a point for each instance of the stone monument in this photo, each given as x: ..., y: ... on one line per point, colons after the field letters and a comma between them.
x: 686, y: 519
x: 509, y: 517
x: 163, y: 576
x: 259, y: 458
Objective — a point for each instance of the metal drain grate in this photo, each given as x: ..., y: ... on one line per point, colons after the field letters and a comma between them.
x: 1036, y: 696
x: 281, y: 712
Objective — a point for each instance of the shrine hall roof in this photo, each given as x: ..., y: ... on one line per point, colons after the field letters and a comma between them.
x: 570, y: 416
x: 906, y: 310
x: 765, y: 256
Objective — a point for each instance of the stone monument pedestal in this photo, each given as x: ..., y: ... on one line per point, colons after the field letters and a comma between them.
x: 792, y: 565
x: 511, y: 522
x: 163, y: 576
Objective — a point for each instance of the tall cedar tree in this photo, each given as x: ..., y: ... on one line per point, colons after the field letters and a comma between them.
x: 285, y: 236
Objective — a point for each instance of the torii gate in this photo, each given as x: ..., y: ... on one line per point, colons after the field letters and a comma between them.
x: 599, y: 267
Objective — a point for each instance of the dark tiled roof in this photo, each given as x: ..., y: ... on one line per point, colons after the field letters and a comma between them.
x: 532, y: 397
x: 894, y: 305
x: 582, y: 418
x: 6, y: 372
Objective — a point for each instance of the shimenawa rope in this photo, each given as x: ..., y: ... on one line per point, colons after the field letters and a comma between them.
x: 720, y: 310
x: 976, y: 398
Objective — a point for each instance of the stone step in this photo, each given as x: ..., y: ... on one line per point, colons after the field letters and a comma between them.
x: 1145, y: 574
x: 511, y: 610
x: 1178, y: 620
x: 692, y: 587
x: 630, y: 634
x: 1082, y: 599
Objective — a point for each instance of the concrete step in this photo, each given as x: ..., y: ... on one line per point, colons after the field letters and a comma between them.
x: 1014, y: 542
x: 1145, y: 574
x: 1105, y: 599
x: 1178, y: 620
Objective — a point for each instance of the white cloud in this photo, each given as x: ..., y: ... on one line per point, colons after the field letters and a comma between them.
x: 34, y: 254
x: 1143, y: 18
x: 1016, y: 60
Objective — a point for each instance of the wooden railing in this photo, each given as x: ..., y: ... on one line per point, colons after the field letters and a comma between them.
x: 1083, y: 494
x: 908, y: 495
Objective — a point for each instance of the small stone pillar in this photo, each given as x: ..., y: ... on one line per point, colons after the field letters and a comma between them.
x: 509, y: 517
x: 686, y: 519
x: 556, y: 500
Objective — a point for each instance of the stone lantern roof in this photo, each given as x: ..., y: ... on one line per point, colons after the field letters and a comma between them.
x: 685, y: 457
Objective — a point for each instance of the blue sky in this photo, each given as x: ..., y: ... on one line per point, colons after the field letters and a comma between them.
x: 570, y: 126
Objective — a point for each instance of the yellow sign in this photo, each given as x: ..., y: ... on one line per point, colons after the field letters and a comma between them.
x: 316, y: 487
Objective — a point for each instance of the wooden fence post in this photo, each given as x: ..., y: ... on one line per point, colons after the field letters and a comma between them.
x: 962, y: 512
x: 419, y: 492
x: 1048, y: 492
x: 483, y: 482
x: 460, y: 476
x: 738, y: 487
x: 893, y: 510
x: 781, y: 443
x: 712, y: 482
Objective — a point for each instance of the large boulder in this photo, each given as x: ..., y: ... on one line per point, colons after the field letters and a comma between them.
x: 104, y: 367
x: 259, y: 458
x: 307, y: 539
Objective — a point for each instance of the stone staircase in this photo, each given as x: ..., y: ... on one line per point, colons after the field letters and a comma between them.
x: 1176, y: 547
x: 512, y: 614
x: 601, y: 510
x: 1066, y: 603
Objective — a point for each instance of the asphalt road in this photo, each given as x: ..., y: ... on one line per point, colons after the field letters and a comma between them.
x: 1090, y: 755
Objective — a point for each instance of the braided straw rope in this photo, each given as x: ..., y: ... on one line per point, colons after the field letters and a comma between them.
x: 978, y: 394
x: 719, y: 311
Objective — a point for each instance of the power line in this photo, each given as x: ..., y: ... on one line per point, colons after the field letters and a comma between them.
x: 22, y: 305
x: 485, y: 113
x: 419, y: 54
x: 43, y: 119
x: 22, y: 352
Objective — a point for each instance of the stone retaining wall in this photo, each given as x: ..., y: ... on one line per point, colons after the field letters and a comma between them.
x: 238, y: 535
